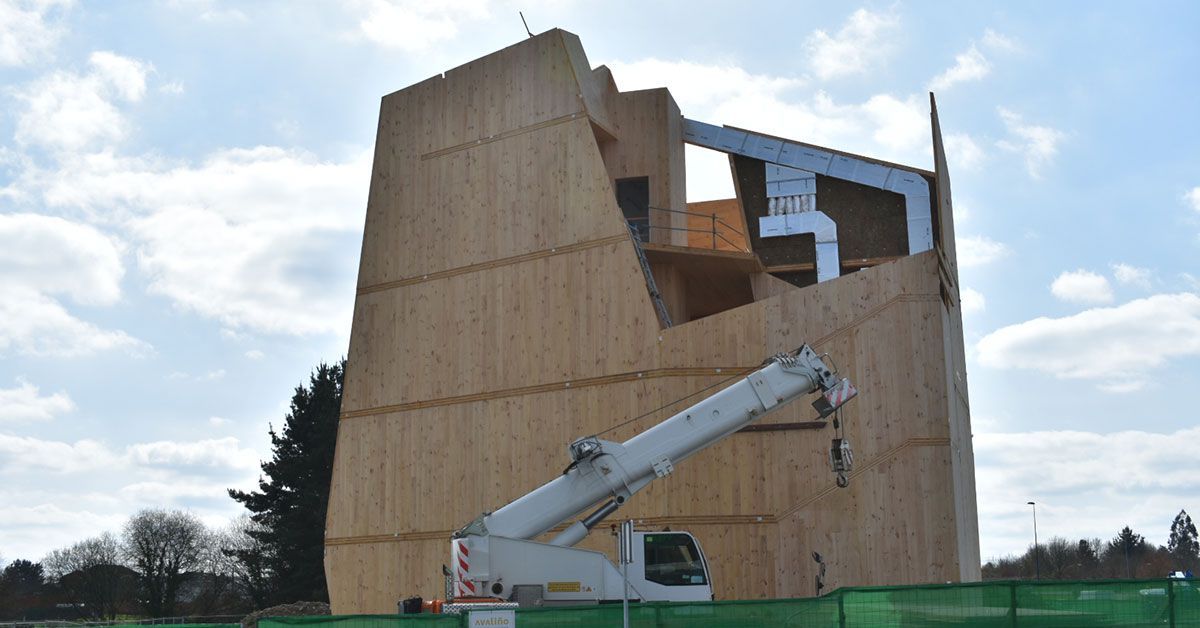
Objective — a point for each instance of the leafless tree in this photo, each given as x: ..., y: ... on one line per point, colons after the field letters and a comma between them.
x: 164, y: 545
x: 94, y: 574
x: 247, y: 560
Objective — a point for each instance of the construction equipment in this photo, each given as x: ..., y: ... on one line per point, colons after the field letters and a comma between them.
x: 495, y: 559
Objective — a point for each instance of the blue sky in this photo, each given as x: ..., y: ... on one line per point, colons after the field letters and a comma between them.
x: 182, y: 190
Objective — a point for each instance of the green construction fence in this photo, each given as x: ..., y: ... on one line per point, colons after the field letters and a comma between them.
x: 1011, y: 604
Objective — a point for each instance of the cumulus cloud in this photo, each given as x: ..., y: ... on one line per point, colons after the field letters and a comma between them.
x: 1000, y: 43
x: 1089, y: 483
x: 247, y: 237
x: 861, y: 41
x: 221, y: 452
x: 29, y: 30
x: 60, y: 257
x: 1116, y: 347
x: 962, y: 151
x: 969, y: 65
x: 34, y: 324
x: 1082, y: 286
x: 1132, y: 275
x: 887, y: 126
x: 44, y: 258
x: 972, y: 300
x: 1193, y: 198
x: 26, y: 403
x: 1038, y: 145
x: 70, y: 112
x: 976, y: 251
x: 25, y: 453
x: 415, y: 26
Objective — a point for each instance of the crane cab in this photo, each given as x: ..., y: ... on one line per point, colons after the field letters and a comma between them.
x: 670, y: 567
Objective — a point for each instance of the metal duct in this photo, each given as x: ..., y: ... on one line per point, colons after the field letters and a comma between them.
x: 792, y: 210
x: 913, y: 186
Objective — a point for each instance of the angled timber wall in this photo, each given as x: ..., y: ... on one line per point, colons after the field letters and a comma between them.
x: 502, y: 312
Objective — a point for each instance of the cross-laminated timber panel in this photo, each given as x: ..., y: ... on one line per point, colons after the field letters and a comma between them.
x: 502, y: 313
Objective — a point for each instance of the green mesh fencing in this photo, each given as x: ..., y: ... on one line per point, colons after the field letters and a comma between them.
x: 1131, y: 603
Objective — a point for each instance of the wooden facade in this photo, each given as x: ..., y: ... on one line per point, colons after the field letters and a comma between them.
x: 502, y: 311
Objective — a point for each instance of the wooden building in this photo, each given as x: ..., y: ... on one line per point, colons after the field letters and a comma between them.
x: 504, y: 309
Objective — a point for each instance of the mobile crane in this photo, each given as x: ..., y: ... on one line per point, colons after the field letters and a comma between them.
x: 495, y: 559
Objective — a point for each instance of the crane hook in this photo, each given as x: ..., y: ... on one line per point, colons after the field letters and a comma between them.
x: 842, y: 480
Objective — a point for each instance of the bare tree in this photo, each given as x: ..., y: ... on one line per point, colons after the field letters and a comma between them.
x: 164, y: 545
x: 248, y: 559
x: 93, y: 573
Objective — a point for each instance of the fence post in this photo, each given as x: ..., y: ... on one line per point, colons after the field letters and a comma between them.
x: 1171, y: 602
x: 1012, y: 602
x: 841, y: 609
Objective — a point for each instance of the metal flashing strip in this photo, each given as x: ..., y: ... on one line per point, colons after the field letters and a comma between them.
x: 913, y: 186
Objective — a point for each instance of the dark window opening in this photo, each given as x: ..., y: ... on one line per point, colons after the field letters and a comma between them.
x: 673, y: 560
x: 633, y: 196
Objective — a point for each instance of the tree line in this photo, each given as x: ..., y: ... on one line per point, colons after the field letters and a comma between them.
x: 1126, y: 555
x: 168, y: 563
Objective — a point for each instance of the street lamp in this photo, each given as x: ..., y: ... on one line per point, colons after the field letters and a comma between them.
x: 1037, y: 565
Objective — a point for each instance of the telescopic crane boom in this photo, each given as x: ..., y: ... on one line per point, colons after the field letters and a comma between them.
x: 495, y: 554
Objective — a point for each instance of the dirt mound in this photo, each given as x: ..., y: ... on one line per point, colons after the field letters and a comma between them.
x: 295, y: 609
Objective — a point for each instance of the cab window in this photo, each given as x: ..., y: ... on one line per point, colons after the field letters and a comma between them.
x: 673, y: 560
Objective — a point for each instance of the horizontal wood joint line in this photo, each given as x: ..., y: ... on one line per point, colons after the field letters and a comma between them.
x: 673, y: 521
x: 551, y: 387
x: 504, y: 261
x: 882, y: 458
x: 783, y: 427
x: 503, y: 135
x: 876, y: 311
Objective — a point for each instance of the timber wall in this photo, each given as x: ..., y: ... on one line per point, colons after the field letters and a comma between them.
x: 502, y: 312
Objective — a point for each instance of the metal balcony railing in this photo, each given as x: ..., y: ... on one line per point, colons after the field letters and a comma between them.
x: 642, y: 227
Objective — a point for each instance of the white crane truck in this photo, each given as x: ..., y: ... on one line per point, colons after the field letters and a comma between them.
x: 495, y: 559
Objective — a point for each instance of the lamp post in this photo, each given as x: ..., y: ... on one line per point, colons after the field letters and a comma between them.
x: 1037, y: 564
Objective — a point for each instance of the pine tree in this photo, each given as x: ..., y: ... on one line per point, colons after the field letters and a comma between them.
x: 1127, y: 547
x: 290, y: 505
x: 1182, y: 544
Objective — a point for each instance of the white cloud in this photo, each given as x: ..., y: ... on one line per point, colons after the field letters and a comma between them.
x: 57, y: 256
x: 25, y: 454
x: 245, y: 237
x: 972, y: 300
x: 1082, y: 286
x: 1193, y: 198
x: 1117, y: 347
x: 1132, y: 275
x: 1037, y: 144
x: 69, y: 112
x: 976, y: 251
x: 413, y: 25
x: 45, y: 257
x: 254, y: 354
x: 26, y: 403
x: 860, y: 42
x: 28, y: 30
x: 962, y: 151
x: 1085, y: 484
x: 698, y: 87
x: 213, y: 376
x: 34, y: 324
x: 217, y: 421
x: 999, y: 43
x: 222, y: 452
x: 884, y: 125
x: 969, y: 65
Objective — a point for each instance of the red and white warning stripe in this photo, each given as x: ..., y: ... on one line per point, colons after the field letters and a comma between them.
x: 465, y: 586
x: 841, y: 393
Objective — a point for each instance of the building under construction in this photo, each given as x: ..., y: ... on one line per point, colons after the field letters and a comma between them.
x: 532, y: 272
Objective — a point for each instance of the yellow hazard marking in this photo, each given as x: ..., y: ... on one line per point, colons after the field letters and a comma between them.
x: 563, y: 587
